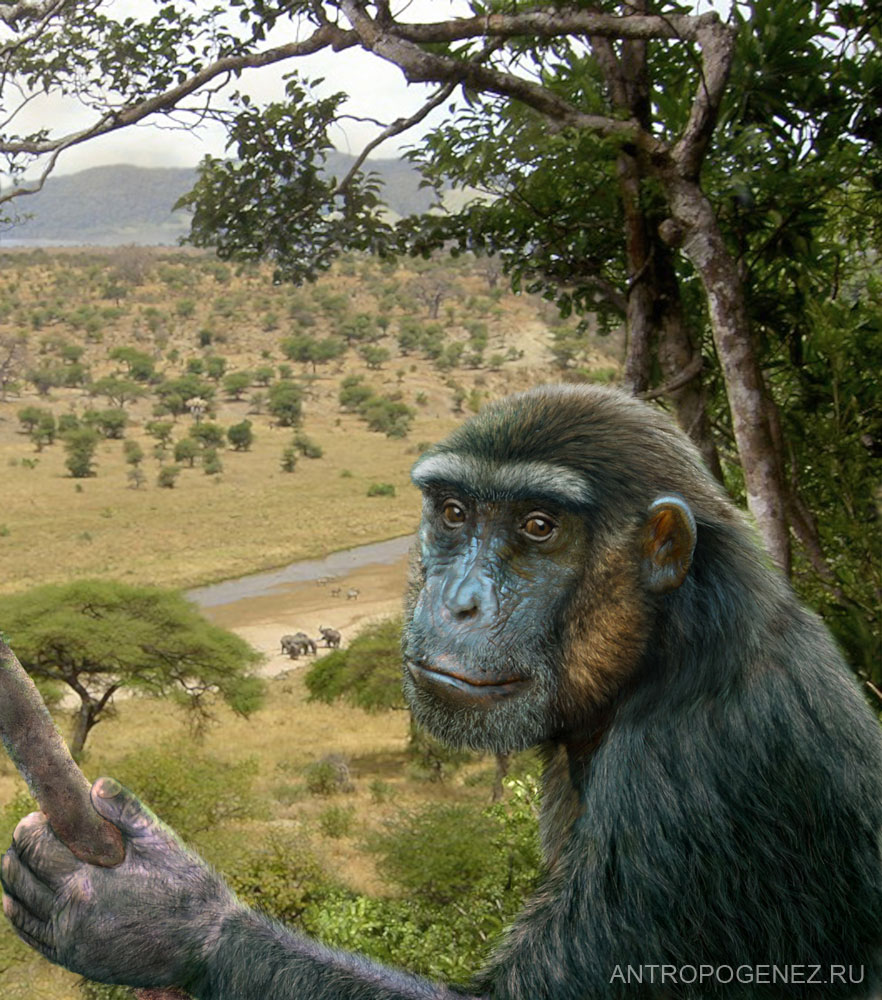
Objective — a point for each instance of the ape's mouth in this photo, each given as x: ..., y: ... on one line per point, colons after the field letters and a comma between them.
x: 458, y: 685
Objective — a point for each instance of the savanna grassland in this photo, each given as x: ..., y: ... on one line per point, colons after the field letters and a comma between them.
x: 84, y: 334
x: 183, y: 309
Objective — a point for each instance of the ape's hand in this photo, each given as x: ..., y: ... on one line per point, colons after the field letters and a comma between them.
x: 152, y: 921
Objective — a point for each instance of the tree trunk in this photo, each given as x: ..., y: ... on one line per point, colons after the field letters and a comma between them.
x: 85, y: 718
x: 676, y: 353
x: 694, y: 227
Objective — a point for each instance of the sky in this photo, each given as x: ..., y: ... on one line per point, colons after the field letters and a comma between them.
x: 376, y: 89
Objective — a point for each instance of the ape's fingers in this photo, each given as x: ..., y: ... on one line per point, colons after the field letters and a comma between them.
x: 29, y: 928
x: 40, y: 851
x: 24, y: 887
x: 128, y: 813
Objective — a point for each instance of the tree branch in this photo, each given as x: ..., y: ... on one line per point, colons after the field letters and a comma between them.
x: 687, y: 375
x: 328, y: 35
x: 420, y: 66
x: 554, y: 23
x: 396, y: 128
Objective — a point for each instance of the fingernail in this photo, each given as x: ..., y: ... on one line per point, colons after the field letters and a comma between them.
x: 108, y: 787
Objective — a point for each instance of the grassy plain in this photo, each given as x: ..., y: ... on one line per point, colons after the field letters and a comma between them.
x: 253, y: 515
x: 177, y: 307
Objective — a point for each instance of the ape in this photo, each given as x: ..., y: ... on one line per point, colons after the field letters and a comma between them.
x: 712, y: 804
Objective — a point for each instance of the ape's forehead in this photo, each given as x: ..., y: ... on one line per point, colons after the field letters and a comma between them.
x: 495, y: 479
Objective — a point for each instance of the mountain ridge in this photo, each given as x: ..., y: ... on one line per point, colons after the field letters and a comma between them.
x: 119, y: 204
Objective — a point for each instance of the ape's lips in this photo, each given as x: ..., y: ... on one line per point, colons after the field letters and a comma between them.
x: 456, y: 683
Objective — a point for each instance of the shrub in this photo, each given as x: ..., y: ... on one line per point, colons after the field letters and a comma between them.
x: 336, y: 821
x: 186, y: 450
x: 240, y: 435
x: 208, y: 435
x: 327, y: 776
x: 285, y: 403
x: 80, y: 445
x: 168, y: 476
x: 192, y: 792
x: 306, y: 446
x: 133, y: 452
x: 366, y: 674
x: 381, y: 490
x: 276, y: 873
x: 289, y: 459
x: 211, y: 463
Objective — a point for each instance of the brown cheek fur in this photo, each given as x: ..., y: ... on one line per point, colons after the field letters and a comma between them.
x: 605, y: 637
x: 603, y: 645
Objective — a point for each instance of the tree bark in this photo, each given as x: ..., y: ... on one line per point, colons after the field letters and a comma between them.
x: 676, y: 354
x: 694, y: 227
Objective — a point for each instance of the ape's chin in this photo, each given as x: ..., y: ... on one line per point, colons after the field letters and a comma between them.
x: 502, y: 721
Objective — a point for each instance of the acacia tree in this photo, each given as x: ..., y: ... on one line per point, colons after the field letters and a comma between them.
x: 98, y: 637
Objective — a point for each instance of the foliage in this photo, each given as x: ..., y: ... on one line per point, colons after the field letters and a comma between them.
x: 285, y: 403
x: 306, y: 446
x: 80, y: 444
x: 277, y: 873
x: 208, y: 435
x: 276, y: 157
x: 167, y: 477
x: 240, y: 435
x: 186, y: 450
x: 99, y: 636
x: 462, y: 875
x: 381, y: 490
x: 336, y: 821
x: 288, y: 461
x: 192, y: 792
x: 366, y: 674
x: 236, y: 383
x: 327, y: 776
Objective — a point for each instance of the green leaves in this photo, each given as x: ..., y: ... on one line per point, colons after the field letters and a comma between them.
x: 274, y: 200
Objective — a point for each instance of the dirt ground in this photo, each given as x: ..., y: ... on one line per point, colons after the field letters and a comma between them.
x: 304, y: 607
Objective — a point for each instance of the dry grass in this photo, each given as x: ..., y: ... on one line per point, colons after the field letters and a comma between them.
x: 254, y: 516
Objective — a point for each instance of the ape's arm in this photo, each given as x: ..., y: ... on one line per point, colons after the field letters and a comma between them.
x: 164, y: 918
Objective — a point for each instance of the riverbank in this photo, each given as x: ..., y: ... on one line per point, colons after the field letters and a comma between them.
x: 309, y: 594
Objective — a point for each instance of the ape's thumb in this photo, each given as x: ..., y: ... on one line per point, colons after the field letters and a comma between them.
x: 121, y: 807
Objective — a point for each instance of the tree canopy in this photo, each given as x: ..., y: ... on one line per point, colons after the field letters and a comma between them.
x: 98, y: 637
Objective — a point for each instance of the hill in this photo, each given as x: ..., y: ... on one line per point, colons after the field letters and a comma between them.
x: 123, y: 204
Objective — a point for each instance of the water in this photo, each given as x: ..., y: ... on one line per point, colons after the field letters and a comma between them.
x: 274, y: 581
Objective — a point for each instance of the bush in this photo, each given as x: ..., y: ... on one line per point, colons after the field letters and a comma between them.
x: 80, y: 445
x: 381, y: 490
x: 168, y: 476
x: 328, y: 776
x: 277, y: 874
x: 186, y: 450
x: 211, y: 463
x: 289, y: 459
x: 366, y: 674
x: 192, y: 792
x: 208, y: 435
x: 285, y: 403
x: 336, y: 821
x: 306, y: 446
x: 240, y: 435
x: 133, y: 452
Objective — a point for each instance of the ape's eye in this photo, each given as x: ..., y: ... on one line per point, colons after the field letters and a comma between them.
x: 453, y: 514
x: 539, y: 527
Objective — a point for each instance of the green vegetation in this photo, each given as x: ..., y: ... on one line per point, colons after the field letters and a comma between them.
x: 99, y: 636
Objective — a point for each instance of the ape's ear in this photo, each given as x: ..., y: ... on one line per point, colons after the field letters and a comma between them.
x: 668, y: 543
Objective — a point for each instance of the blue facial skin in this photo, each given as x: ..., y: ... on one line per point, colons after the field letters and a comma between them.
x: 497, y: 575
